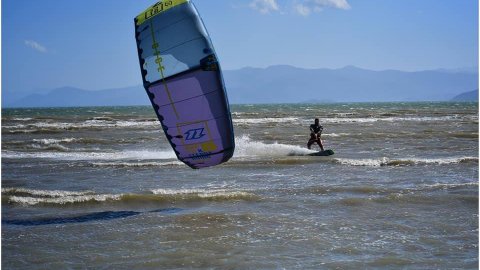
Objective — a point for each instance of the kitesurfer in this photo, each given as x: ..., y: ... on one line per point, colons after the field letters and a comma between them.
x: 315, y: 134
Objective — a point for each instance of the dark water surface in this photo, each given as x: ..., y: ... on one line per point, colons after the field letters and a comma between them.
x: 100, y: 188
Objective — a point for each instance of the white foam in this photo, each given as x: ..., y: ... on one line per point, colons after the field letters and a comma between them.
x: 202, y: 193
x: 45, y: 193
x: 86, y: 124
x: 52, y: 144
x: 387, y: 119
x: 137, y: 155
x: 451, y: 185
x: 137, y: 164
x: 264, y: 120
x: 154, y: 123
x: 363, y: 162
x: 335, y: 134
x: 168, y: 191
x: 244, y: 113
x: 452, y: 160
x: 54, y: 141
x: 102, y: 118
x: 64, y: 199
x: 16, y: 126
x: 383, y: 161
x: 245, y: 147
x: 22, y: 119
x: 56, y: 147
x: 36, y: 196
x: 21, y: 130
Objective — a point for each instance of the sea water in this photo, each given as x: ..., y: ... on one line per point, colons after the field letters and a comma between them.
x: 100, y: 188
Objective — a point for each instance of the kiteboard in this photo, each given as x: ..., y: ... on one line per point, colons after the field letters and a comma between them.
x: 328, y: 152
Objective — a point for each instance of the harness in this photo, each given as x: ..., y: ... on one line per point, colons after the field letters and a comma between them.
x: 316, y: 129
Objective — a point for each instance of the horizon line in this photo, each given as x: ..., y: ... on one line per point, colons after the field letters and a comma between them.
x: 464, y: 69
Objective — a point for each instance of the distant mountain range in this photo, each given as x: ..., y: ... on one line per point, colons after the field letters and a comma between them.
x: 348, y: 84
x: 71, y: 97
x: 467, y: 96
x: 285, y: 84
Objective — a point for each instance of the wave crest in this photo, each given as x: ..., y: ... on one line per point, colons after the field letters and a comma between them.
x: 384, y: 161
x: 61, y: 197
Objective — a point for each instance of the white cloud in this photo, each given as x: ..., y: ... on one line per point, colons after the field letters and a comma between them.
x: 302, y: 9
x: 340, y: 4
x: 264, y: 6
x: 36, y: 46
x: 305, y: 7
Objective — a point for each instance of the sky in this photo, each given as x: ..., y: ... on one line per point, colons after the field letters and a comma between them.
x: 90, y: 44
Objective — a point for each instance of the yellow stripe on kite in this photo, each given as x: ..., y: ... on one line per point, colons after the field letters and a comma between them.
x: 157, y: 9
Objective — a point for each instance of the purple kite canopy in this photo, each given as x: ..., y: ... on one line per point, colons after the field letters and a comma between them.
x: 183, y: 79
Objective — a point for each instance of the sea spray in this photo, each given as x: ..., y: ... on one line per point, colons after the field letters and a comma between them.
x: 247, y: 147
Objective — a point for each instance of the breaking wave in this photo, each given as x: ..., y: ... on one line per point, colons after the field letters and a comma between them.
x: 244, y: 121
x: 119, y: 155
x: 54, y: 141
x: 93, y: 124
x: 34, y: 196
x: 384, y: 161
x: 25, y: 196
x: 137, y: 164
x: 396, y: 119
x: 343, y: 119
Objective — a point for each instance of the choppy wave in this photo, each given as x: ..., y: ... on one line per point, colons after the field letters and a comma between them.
x: 58, y: 145
x: 21, y: 119
x: 422, y: 194
x: 381, y: 190
x: 43, y: 193
x: 30, y: 131
x: 336, y: 134
x: 104, y: 118
x: 209, y: 194
x: 325, y: 189
x: 60, y: 197
x: 100, y: 123
x: 384, y: 161
x: 239, y: 120
x: 54, y: 141
x: 245, y: 147
x: 50, y: 147
x: 244, y: 113
x: 412, y: 198
x: 448, y: 186
x: 380, y: 194
x: 85, y: 155
x: 463, y: 135
x: 137, y: 164
x: 34, y: 196
x: 63, y: 200
x: 90, y: 140
x: 398, y: 119
x: 265, y: 120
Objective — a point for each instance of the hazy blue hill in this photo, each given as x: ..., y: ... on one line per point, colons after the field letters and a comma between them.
x: 467, y: 96
x: 70, y: 96
x: 285, y: 84
x: 291, y: 84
